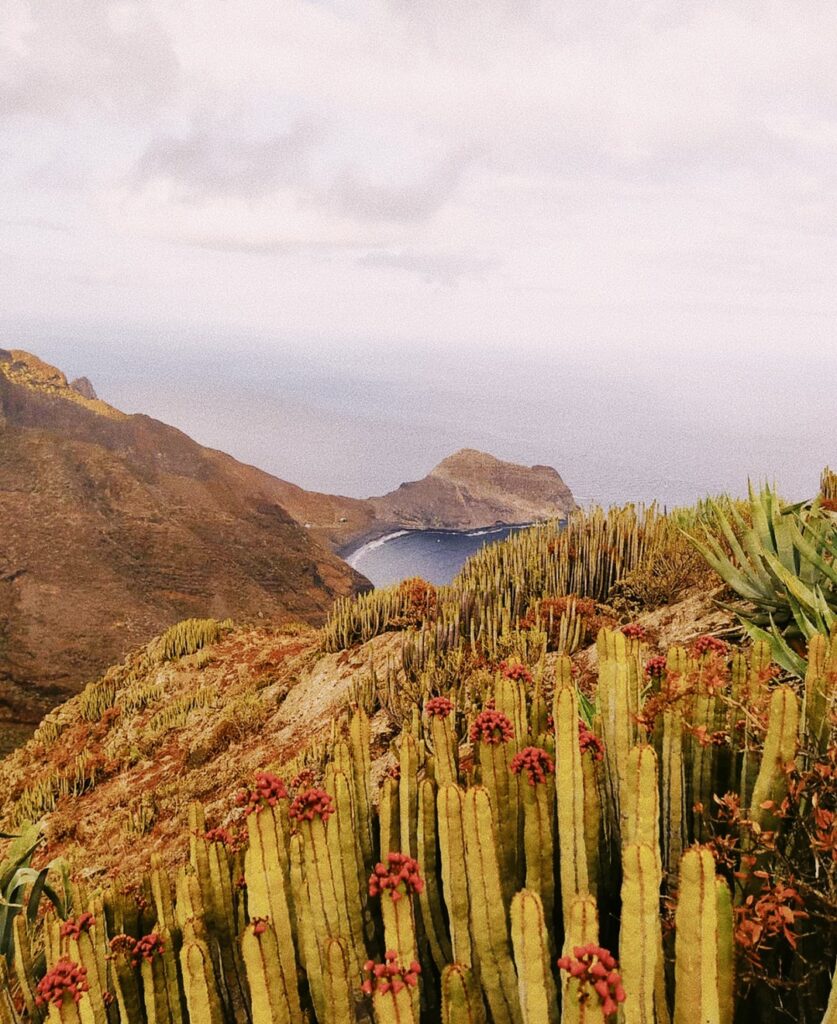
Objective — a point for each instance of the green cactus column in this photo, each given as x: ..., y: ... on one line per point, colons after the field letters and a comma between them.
x: 820, y: 691
x: 450, y: 810
x: 361, y: 767
x: 726, y: 952
x: 531, y: 944
x: 339, y: 983
x: 267, y: 872
x: 696, y: 945
x: 274, y: 997
x: 491, y: 732
x: 309, y: 950
x: 489, y: 931
x: 202, y: 999
x: 779, y: 751
x: 639, y: 948
x: 439, y: 712
x: 673, y: 789
x: 430, y: 899
x: 461, y: 997
x: 23, y: 964
x: 569, y: 792
x: 536, y: 770
x: 389, y: 816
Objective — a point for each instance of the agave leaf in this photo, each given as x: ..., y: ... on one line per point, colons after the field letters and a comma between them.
x: 806, y: 548
x: 35, y: 895
x: 804, y: 595
x: 782, y: 654
x: 728, y: 572
x: 587, y: 709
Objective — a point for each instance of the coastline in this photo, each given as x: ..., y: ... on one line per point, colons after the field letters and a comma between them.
x: 354, y: 552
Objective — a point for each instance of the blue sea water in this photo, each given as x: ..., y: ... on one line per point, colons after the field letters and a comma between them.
x: 435, y: 555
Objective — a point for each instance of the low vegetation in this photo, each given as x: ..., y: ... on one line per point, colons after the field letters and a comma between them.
x: 504, y: 827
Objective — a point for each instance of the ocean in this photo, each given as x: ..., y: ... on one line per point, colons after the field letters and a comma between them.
x: 435, y: 555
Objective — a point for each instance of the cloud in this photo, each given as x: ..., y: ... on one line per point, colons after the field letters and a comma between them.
x: 59, y: 58
x: 213, y: 160
x: 433, y: 267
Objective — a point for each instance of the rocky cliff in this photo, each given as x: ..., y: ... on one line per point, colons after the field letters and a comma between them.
x: 469, y: 490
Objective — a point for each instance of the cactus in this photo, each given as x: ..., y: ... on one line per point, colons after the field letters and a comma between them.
x: 639, y: 939
x: 490, y: 932
x: 569, y: 791
x: 430, y: 899
x: 450, y: 804
x: 461, y: 998
x: 537, y: 769
x: 696, y: 946
x: 199, y: 986
x: 532, y: 954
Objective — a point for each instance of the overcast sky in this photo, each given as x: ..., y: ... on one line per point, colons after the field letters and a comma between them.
x: 632, y: 183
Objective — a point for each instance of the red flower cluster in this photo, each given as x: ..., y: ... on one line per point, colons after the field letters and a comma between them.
x: 268, y: 791
x: 491, y: 726
x: 634, y: 631
x: 655, y: 668
x: 708, y: 645
x: 516, y: 671
x: 588, y: 740
x: 311, y: 803
x: 122, y: 944
x: 147, y: 948
x: 535, y: 762
x: 303, y: 779
x: 593, y: 965
x: 438, y: 707
x: 228, y: 837
x: 74, y: 926
x: 389, y: 976
x: 259, y: 925
x: 65, y: 979
x: 399, y: 877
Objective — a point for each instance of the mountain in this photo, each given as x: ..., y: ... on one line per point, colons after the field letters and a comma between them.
x: 112, y: 527
x: 469, y: 490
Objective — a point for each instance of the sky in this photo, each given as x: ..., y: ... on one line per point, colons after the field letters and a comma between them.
x: 340, y: 239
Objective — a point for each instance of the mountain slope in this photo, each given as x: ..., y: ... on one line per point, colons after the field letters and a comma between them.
x: 114, y: 526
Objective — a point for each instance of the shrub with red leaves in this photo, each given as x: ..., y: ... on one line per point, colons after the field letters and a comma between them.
x: 765, y: 917
x: 516, y: 671
x: 708, y: 645
x: 64, y: 979
x: 594, y: 967
x: 588, y: 740
x: 438, y: 707
x: 74, y: 926
x: 267, y: 792
x: 492, y: 727
x: 147, y: 948
x: 311, y: 803
x: 634, y: 631
x: 398, y: 877
x: 535, y: 762
x: 389, y: 976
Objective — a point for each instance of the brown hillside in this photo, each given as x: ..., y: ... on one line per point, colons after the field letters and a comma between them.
x: 113, y: 526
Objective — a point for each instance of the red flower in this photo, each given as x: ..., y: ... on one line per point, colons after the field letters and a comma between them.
x: 399, y: 877
x: 311, y: 803
x: 259, y: 925
x: 123, y: 944
x: 267, y: 792
x: 438, y: 707
x: 74, y: 926
x: 492, y: 727
x: 389, y: 976
x: 634, y: 631
x: 708, y: 645
x: 65, y: 979
x: 516, y: 671
x: 535, y: 762
x: 303, y: 779
x: 594, y: 966
x: 588, y: 740
x: 147, y: 948
x: 655, y: 668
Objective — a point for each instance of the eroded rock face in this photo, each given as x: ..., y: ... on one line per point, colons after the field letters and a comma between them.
x: 83, y: 387
x: 112, y: 527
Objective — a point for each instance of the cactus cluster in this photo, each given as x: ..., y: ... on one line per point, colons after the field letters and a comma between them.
x: 522, y: 866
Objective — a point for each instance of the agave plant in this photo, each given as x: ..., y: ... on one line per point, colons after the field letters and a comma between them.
x: 22, y: 887
x: 783, y: 565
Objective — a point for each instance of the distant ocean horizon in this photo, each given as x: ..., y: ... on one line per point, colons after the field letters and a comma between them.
x: 435, y: 555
